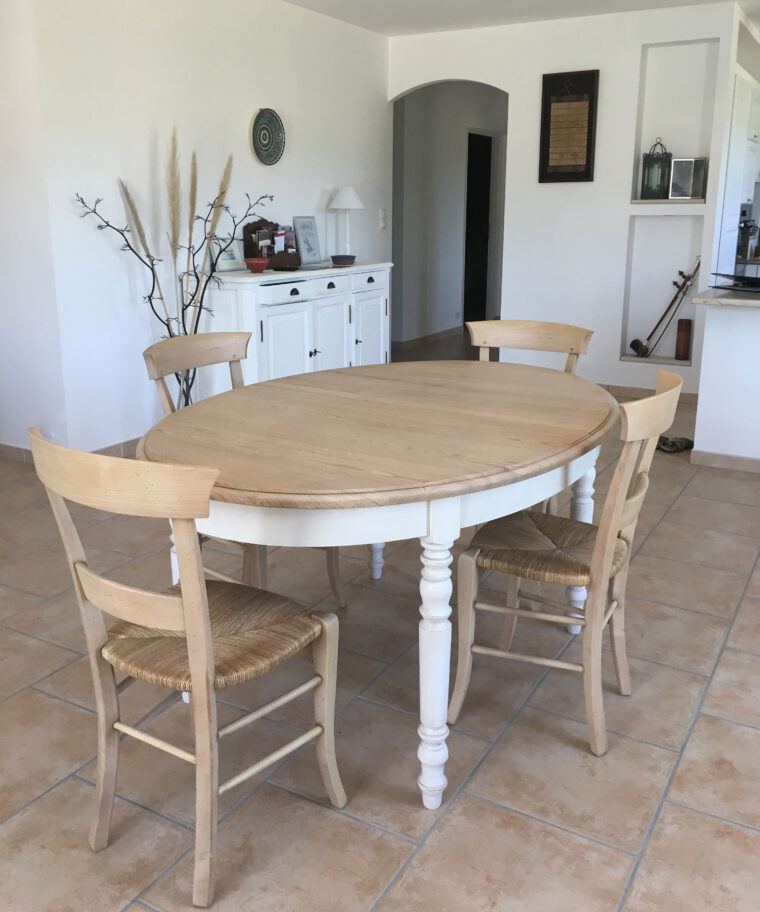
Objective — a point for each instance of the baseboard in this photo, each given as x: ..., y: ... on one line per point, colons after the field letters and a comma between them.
x: 426, y: 340
x: 126, y: 449
x: 725, y: 461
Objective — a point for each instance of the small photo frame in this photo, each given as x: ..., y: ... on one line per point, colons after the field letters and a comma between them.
x: 308, y: 240
x: 231, y: 258
x: 688, y: 178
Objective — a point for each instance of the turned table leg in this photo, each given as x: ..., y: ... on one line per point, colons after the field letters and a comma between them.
x: 582, y: 509
x: 376, y: 561
x: 435, y: 650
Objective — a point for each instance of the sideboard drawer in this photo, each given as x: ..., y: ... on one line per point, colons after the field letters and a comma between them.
x: 282, y: 292
x: 369, y: 281
x: 328, y: 285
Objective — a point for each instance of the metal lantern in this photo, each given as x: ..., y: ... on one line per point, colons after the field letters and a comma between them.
x: 655, y: 174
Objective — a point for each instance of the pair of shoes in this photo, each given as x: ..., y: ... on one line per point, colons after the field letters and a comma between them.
x: 674, y: 444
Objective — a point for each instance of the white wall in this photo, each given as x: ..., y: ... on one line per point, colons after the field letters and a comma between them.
x: 429, y: 215
x: 113, y: 80
x: 566, y: 245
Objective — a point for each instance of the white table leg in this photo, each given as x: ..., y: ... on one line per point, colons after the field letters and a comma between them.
x: 435, y: 651
x: 175, y: 579
x: 376, y: 562
x: 582, y: 509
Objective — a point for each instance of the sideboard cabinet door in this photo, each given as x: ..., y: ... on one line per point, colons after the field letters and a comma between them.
x: 284, y: 332
x: 370, y: 325
x: 331, y: 333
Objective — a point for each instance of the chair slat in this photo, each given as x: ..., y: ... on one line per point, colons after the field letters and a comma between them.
x: 138, y: 606
x: 182, y: 353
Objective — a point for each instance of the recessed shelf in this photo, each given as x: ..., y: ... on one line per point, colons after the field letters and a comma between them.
x: 667, y: 202
x: 668, y: 207
x: 655, y: 359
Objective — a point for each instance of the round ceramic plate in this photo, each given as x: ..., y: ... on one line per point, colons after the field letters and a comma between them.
x: 268, y: 136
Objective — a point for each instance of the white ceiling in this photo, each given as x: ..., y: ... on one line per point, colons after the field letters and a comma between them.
x: 407, y: 17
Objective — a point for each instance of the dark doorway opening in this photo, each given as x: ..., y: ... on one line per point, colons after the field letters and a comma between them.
x: 477, y: 219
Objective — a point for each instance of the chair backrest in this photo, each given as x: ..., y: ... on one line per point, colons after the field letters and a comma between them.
x: 642, y: 423
x: 532, y: 335
x: 126, y: 486
x: 184, y: 353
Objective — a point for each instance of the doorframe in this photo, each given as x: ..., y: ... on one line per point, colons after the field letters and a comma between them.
x: 495, y: 228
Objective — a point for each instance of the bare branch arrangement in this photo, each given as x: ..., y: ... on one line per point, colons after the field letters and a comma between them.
x: 194, y: 263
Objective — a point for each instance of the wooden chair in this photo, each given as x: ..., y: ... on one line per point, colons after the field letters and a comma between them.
x: 199, y: 636
x: 532, y: 335
x: 184, y: 353
x: 545, y: 548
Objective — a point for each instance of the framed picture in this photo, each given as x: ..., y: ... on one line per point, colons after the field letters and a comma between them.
x: 308, y: 240
x: 568, y: 126
x: 687, y: 178
x: 231, y: 258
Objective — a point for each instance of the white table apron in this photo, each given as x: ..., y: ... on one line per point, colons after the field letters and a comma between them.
x: 437, y: 523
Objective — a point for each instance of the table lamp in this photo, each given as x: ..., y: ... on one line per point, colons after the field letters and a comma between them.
x: 346, y: 198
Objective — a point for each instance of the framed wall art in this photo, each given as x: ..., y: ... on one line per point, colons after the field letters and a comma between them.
x: 231, y: 258
x: 307, y: 238
x: 568, y: 126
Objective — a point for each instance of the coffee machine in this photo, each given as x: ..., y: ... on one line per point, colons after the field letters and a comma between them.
x: 745, y: 246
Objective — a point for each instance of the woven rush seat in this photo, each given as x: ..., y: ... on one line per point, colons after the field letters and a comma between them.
x: 252, y: 631
x: 542, y: 547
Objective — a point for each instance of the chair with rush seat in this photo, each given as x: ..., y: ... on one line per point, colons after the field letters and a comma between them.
x: 198, y: 636
x: 551, y: 549
x: 531, y: 335
x: 181, y: 354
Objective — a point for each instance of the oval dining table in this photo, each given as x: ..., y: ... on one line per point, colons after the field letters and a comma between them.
x: 365, y: 455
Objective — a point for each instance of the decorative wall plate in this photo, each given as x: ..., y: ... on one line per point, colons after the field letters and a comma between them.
x: 268, y: 136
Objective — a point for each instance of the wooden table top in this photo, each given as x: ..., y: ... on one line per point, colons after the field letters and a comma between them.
x: 385, y: 434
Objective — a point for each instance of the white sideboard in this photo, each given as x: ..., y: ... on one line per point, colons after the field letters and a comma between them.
x: 301, y: 321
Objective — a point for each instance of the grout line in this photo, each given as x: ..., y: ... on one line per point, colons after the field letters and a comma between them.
x: 690, y: 807
x: 692, y: 724
x: 134, y: 803
x: 31, y: 684
x: 34, y: 636
x: 158, y: 877
x: 556, y: 826
x: 37, y: 797
x: 47, y: 693
x: 732, y: 721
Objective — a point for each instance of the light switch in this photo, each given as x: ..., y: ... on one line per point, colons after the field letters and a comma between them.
x: 382, y: 219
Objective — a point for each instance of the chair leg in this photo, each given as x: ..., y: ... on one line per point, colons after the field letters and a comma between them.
x: 510, y: 620
x: 255, y: 565
x: 617, y: 634
x: 107, y: 700
x: 206, y: 796
x: 333, y: 573
x: 325, y: 658
x: 592, y: 689
x: 467, y: 592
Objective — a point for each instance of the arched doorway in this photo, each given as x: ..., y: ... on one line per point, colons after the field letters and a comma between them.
x: 449, y: 167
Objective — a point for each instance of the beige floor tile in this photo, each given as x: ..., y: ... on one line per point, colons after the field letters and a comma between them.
x: 727, y: 485
x: 31, y: 529
x: 278, y: 853
x: 734, y: 691
x: 745, y: 633
x: 46, y: 573
x: 737, y: 519
x: 718, y: 771
x: 74, y: 683
x: 667, y: 481
x: 57, y: 619
x: 354, y: 673
x: 375, y: 624
x: 149, y: 571
x: 659, y: 709
x: 694, y: 862
x: 497, y: 688
x: 542, y: 766
x: 166, y: 784
x: 376, y: 749
x: 703, y: 546
x: 47, y: 864
x: 689, y: 586
x: 401, y: 573
x: 13, y: 601
x: 24, y: 660
x: 675, y: 636
x: 301, y: 573
x: 43, y: 741
x: 130, y: 535
x: 484, y: 857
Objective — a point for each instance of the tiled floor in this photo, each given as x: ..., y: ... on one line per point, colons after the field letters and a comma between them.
x: 668, y: 820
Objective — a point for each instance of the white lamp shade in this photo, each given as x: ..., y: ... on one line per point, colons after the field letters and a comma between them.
x: 346, y: 198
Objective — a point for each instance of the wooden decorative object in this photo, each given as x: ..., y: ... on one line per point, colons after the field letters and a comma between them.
x: 683, y: 340
x: 276, y: 260
x: 568, y: 126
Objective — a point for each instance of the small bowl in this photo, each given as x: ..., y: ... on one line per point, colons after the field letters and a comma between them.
x: 257, y: 264
x: 343, y: 259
